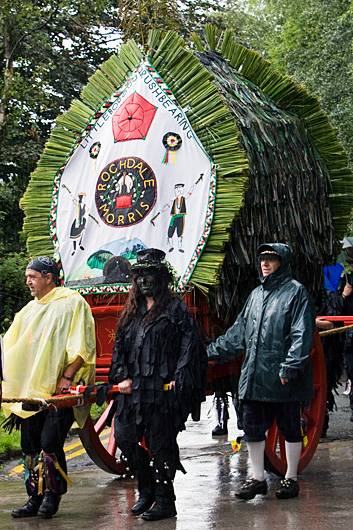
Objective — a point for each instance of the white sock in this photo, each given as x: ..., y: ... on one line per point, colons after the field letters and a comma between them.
x: 293, y: 452
x: 256, y: 452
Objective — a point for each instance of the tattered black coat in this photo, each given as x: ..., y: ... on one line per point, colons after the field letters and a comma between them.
x: 154, y: 353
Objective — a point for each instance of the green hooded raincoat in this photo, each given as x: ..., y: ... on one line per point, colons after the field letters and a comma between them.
x: 275, y: 331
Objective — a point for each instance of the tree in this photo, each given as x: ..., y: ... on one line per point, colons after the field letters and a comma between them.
x: 314, y: 43
x: 48, y: 49
x: 137, y: 18
x: 309, y: 39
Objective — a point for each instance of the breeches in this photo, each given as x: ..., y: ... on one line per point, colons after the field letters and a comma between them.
x: 178, y: 225
x: 258, y: 417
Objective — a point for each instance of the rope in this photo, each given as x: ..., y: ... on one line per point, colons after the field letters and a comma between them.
x: 335, y: 331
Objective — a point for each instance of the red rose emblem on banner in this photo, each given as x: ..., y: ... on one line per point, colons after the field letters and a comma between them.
x: 133, y: 119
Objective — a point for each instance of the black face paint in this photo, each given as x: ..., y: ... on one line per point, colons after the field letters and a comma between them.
x: 146, y: 283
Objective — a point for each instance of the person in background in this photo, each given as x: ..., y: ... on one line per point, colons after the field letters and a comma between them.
x: 345, y: 289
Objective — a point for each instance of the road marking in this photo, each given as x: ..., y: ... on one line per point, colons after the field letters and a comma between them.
x: 67, y: 448
x: 82, y: 451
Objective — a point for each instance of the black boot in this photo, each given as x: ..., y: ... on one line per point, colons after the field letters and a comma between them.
x: 220, y: 430
x: 222, y: 415
x: 143, y: 504
x: 160, y: 510
x: 164, y: 507
x: 50, y: 504
x: 145, y: 488
x: 30, y: 509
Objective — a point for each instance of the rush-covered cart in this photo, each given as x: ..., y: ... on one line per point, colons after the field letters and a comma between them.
x: 203, y: 151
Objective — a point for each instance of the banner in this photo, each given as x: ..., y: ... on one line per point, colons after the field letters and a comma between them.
x: 138, y: 179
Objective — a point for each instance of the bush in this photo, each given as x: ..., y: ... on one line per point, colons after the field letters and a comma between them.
x: 9, y: 443
x: 14, y: 293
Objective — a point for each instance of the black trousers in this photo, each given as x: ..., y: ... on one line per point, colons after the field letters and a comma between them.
x: 46, y: 431
x: 150, y: 449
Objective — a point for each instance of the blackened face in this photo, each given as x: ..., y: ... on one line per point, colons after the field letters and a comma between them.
x: 146, y: 282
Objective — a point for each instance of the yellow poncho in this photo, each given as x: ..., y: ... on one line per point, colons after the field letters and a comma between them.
x: 45, y: 337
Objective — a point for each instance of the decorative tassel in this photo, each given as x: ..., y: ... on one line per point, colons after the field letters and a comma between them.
x: 62, y: 473
x: 40, y: 469
x: 52, y: 469
x: 11, y: 423
x: 30, y: 473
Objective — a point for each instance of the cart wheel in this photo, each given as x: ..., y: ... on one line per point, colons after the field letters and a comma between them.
x: 312, y: 420
x: 103, y: 456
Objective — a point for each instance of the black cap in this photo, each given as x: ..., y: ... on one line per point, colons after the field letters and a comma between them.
x: 149, y: 258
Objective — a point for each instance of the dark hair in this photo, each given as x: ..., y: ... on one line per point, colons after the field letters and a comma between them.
x: 162, y: 296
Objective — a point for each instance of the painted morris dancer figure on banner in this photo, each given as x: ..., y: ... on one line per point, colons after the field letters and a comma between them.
x: 78, y: 226
x: 124, y: 189
x: 51, y: 344
x: 177, y: 221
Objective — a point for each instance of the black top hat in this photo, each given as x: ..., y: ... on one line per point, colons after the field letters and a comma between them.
x: 149, y: 258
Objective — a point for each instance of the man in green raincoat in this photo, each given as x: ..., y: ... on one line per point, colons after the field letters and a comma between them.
x: 275, y: 331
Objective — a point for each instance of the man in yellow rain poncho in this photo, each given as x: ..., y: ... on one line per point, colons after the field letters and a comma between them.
x: 49, y: 347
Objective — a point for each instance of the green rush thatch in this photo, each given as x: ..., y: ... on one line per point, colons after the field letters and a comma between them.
x: 281, y: 172
x: 299, y: 187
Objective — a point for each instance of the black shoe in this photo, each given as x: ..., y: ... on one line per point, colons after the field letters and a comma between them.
x: 251, y: 488
x: 288, y: 488
x: 160, y: 511
x: 30, y: 509
x: 220, y: 430
x: 143, y: 504
x: 50, y: 505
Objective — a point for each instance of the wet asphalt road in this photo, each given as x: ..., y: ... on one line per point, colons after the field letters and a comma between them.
x: 205, y: 496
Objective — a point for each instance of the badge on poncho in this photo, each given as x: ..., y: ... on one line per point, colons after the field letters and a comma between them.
x: 172, y: 142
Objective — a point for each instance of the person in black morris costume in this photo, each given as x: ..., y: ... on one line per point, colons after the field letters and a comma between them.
x: 159, y: 362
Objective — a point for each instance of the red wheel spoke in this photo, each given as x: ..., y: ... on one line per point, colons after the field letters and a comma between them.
x: 112, y: 446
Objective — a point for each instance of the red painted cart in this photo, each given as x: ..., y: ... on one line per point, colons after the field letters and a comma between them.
x: 106, y: 309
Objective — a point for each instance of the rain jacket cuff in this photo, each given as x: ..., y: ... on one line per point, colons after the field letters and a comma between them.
x: 289, y: 373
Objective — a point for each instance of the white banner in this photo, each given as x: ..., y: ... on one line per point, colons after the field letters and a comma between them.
x: 139, y: 179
